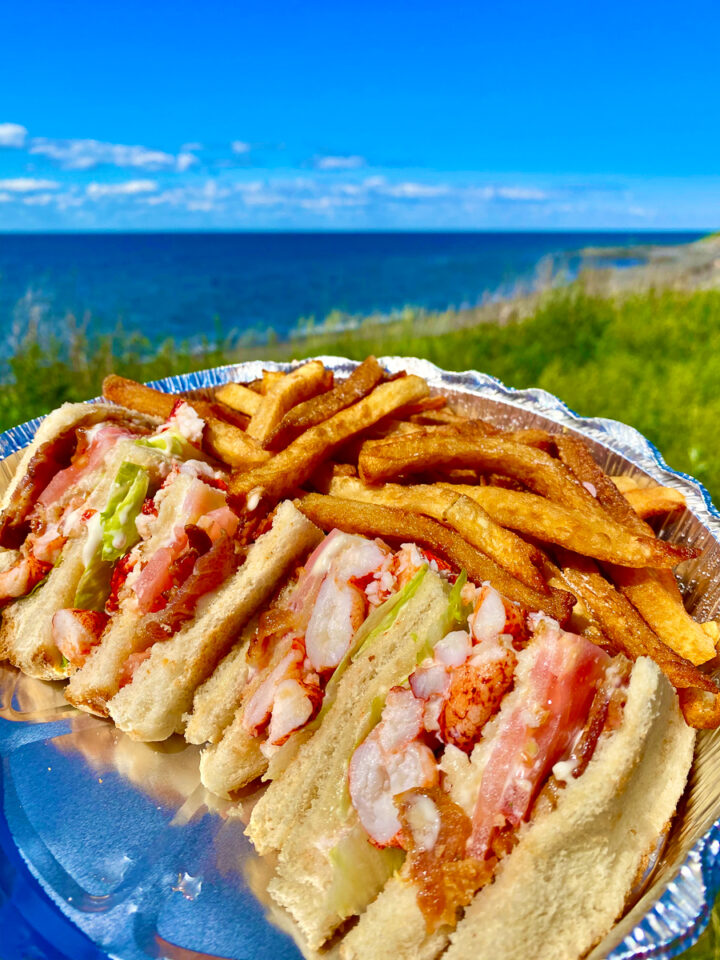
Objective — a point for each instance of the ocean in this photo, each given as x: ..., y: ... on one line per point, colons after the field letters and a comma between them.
x: 184, y: 285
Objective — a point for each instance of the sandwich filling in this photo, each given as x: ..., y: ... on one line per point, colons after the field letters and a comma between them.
x: 308, y: 636
x: 162, y: 585
x: 484, y: 734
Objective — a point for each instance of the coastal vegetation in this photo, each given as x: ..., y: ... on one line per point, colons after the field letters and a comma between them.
x: 648, y: 358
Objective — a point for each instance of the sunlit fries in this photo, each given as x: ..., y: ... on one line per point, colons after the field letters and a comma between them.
x: 655, y: 501
x: 239, y: 397
x: 529, y: 510
x: 308, y: 414
x: 223, y: 440
x: 624, y: 627
x: 380, y: 460
x: 461, y: 513
x: 550, y: 522
x: 374, y: 520
x: 654, y: 594
x: 300, y: 384
x: 292, y: 466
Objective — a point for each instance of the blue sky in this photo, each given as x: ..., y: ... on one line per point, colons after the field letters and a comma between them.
x: 374, y: 115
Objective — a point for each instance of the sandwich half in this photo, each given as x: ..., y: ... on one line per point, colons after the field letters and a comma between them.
x: 71, y: 499
x: 186, y: 590
x: 509, y: 770
x: 273, y: 689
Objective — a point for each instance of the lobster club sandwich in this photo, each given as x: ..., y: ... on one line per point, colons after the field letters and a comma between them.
x: 69, y: 516
x: 276, y: 685
x: 181, y: 596
x: 471, y: 772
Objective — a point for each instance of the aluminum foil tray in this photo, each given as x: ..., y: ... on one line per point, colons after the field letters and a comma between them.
x: 113, y: 849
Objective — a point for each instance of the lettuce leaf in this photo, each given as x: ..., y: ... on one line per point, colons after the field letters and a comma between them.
x: 360, y: 871
x: 125, y: 501
x: 174, y: 444
x: 94, y: 586
x: 118, y: 534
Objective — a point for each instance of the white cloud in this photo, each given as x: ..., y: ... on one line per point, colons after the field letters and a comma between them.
x: 191, y: 147
x: 12, y: 135
x: 85, y: 154
x: 520, y: 193
x: 39, y: 199
x: 129, y: 188
x: 416, y: 191
x: 239, y: 146
x: 339, y: 163
x: 6, y: 198
x: 184, y: 161
x: 27, y: 185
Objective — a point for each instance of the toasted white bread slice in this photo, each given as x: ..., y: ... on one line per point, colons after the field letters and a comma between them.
x: 217, y: 699
x: 306, y: 811
x: 26, y: 630
x: 152, y: 705
x: 567, y: 881
x: 71, y: 416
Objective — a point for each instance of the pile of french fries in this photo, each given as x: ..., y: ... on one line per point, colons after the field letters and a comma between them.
x: 528, y: 510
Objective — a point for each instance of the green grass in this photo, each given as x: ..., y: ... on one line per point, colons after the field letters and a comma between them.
x: 652, y: 360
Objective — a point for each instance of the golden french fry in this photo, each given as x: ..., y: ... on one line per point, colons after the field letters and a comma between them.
x: 625, y: 483
x: 268, y: 380
x: 136, y: 396
x: 700, y: 708
x: 623, y: 625
x: 712, y: 629
x: 668, y: 618
x: 375, y: 520
x: 239, y: 397
x: 576, y: 456
x: 232, y: 446
x: 653, y: 593
x: 461, y: 513
x: 325, y: 405
x: 298, y: 385
x: 550, y: 522
x: 655, y: 501
x: 223, y: 440
x: 537, y: 470
x: 293, y: 465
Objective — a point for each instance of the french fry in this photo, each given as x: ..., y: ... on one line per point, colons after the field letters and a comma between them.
x: 653, y: 593
x: 379, y: 521
x: 268, y: 380
x: 700, y: 708
x: 293, y: 465
x: 298, y: 385
x: 239, y: 397
x: 623, y: 625
x: 232, y: 446
x: 625, y: 483
x: 445, y: 415
x: 459, y: 512
x: 136, y: 396
x: 655, y: 501
x: 536, y: 469
x: 576, y: 456
x: 221, y: 439
x: 308, y: 414
x: 534, y: 516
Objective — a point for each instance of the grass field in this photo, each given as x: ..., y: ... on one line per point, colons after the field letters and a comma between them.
x: 651, y: 360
